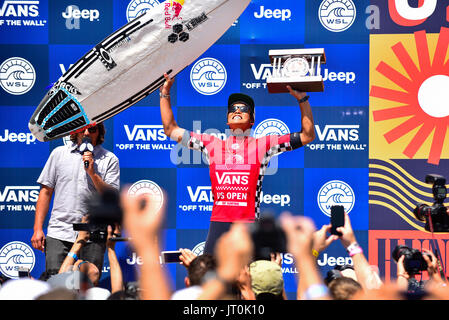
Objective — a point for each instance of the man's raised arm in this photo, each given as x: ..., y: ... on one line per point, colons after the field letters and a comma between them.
x: 171, y: 128
x: 308, y: 128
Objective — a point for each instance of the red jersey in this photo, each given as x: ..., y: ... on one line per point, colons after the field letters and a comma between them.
x: 236, y: 167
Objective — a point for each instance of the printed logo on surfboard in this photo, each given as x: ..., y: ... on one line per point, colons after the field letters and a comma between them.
x: 172, y: 12
x: 138, y: 7
x: 105, y: 57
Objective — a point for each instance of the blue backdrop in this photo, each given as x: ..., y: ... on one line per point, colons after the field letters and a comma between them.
x: 41, y: 38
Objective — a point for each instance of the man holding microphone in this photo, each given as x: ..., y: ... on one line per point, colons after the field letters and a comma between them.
x: 73, y: 174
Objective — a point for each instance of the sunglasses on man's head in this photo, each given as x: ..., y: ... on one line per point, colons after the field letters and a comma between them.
x: 92, y: 129
x: 244, y: 108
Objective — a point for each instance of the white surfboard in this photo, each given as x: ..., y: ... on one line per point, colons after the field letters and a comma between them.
x: 129, y: 64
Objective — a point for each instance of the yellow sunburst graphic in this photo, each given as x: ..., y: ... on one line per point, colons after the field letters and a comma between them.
x: 409, y: 96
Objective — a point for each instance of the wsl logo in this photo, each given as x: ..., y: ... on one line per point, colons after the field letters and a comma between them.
x: 17, y: 76
x: 337, y: 15
x: 138, y: 7
x: 335, y: 192
x: 208, y: 76
x: 270, y: 127
x: 149, y: 188
x: 14, y: 255
x: 198, y: 250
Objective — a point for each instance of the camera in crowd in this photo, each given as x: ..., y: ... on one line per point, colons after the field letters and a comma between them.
x: 338, y: 272
x: 103, y: 210
x: 414, y: 261
x: 268, y: 237
x: 435, y: 216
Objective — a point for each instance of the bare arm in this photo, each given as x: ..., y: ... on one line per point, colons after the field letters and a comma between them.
x: 143, y: 226
x: 171, y: 128
x: 80, y: 241
x: 115, y: 270
x: 99, y: 183
x: 367, y: 278
x: 299, y: 231
x: 308, y: 128
x: 42, y: 206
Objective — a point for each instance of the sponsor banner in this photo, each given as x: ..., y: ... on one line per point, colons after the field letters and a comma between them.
x: 140, y: 141
x: 158, y: 183
x: 341, y: 138
x: 18, y: 196
x: 383, y: 242
x: 265, y: 21
x: 195, y: 199
x: 337, y: 21
x: 210, y: 120
x: 408, y: 16
x: 232, y: 35
x: 128, y: 10
x: 23, y: 74
x: 336, y: 255
x: 326, y: 187
x: 345, y: 75
x: 211, y: 78
x: 255, y: 68
x: 16, y: 251
x: 62, y: 57
x: 396, y: 187
x: 17, y: 143
x: 23, y: 21
x: 79, y: 22
x: 408, y: 96
x: 283, y: 191
x: 280, y: 121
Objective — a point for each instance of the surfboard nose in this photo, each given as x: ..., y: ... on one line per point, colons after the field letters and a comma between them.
x: 37, y: 131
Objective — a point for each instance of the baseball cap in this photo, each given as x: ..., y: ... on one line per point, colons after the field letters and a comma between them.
x: 242, y: 98
x: 266, y: 277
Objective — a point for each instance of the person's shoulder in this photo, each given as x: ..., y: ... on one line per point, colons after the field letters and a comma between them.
x: 107, y: 153
x: 60, y: 149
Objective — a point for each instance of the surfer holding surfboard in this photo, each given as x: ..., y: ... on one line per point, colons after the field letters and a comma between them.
x: 237, y: 164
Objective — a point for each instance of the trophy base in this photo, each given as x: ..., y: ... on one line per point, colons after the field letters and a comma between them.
x: 304, y: 84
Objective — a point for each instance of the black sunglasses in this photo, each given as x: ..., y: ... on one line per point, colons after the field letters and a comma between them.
x: 92, y: 129
x: 244, y: 109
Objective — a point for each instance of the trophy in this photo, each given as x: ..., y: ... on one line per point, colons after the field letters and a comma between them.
x: 299, y: 68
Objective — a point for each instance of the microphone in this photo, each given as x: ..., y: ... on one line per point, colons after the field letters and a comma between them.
x: 86, y: 146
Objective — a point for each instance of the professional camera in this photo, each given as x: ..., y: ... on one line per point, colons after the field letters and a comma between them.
x: 338, y: 272
x: 103, y: 210
x: 414, y: 261
x: 435, y: 216
x: 268, y: 237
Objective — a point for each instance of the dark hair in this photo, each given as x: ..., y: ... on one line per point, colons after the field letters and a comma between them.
x: 101, y: 134
x: 199, y: 266
x: 343, y: 288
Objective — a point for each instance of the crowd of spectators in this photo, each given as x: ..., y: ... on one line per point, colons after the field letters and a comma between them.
x: 231, y: 273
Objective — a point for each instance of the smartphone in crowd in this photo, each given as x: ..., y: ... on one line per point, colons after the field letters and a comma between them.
x: 170, y: 256
x: 24, y: 272
x: 337, y: 219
